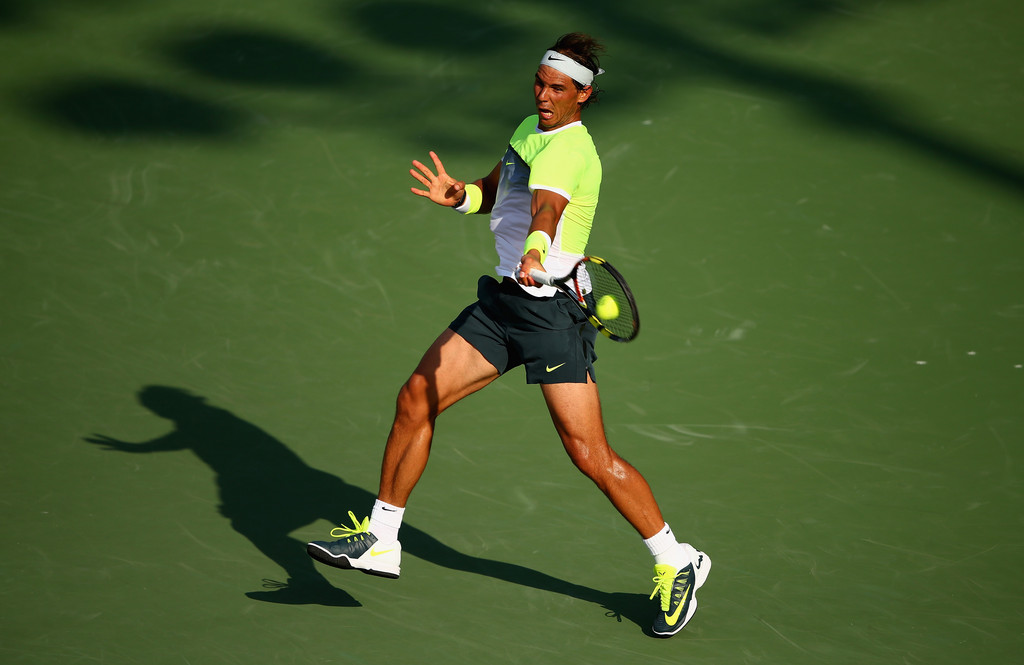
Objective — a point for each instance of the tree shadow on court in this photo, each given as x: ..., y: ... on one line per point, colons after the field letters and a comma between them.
x: 846, y: 104
x: 249, y: 56
x: 666, y: 46
x: 663, y: 46
x: 18, y: 13
x: 119, y: 108
x: 267, y: 492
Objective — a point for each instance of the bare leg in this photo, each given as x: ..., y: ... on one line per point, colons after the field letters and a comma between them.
x: 576, y: 411
x: 450, y: 370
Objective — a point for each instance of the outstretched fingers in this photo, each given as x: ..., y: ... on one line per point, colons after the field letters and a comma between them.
x: 441, y: 188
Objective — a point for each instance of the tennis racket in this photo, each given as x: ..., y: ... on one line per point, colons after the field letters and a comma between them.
x: 602, y: 295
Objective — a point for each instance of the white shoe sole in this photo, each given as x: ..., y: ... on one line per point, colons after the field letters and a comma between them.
x: 374, y: 566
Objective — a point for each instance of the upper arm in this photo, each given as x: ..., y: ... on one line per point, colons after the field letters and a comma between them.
x: 554, y: 179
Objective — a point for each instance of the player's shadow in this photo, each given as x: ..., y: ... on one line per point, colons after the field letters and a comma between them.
x: 267, y: 492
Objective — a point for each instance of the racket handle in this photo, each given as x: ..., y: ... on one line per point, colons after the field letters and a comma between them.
x: 542, y: 277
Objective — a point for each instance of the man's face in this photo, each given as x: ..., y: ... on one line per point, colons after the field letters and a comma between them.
x: 558, y: 100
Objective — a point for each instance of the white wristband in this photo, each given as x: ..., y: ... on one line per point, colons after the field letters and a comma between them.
x: 464, y: 207
x: 472, y: 200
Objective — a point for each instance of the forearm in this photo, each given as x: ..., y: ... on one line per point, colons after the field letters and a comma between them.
x: 486, y: 189
x: 545, y: 218
x: 477, y: 198
x: 546, y: 209
x: 489, y: 193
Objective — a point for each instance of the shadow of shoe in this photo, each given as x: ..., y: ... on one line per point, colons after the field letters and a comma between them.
x: 634, y: 607
x: 299, y: 593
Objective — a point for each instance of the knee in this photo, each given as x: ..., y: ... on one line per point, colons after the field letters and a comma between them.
x: 416, y: 401
x: 597, y: 461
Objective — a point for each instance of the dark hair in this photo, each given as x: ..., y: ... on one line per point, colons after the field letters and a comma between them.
x: 584, y: 49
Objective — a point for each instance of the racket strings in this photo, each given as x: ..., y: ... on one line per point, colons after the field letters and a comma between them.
x: 604, y: 284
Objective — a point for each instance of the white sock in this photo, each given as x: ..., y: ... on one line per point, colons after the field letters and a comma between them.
x: 385, y: 521
x: 667, y: 550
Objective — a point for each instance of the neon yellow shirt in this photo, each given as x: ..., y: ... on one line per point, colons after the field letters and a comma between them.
x: 564, y: 161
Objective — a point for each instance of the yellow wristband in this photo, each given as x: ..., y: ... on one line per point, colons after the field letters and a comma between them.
x: 539, y: 241
x: 471, y: 201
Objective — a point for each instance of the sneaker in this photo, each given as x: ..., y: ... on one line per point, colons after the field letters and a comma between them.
x: 357, y: 550
x: 678, y: 591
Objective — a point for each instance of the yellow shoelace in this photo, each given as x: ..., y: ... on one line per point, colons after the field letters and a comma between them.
x: 664, y: 579
x: 358, y: 529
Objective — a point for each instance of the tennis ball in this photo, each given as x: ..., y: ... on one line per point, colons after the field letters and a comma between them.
x: 607, y: 308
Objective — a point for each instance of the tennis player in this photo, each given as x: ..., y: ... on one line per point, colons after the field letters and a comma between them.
x: 541, y: 197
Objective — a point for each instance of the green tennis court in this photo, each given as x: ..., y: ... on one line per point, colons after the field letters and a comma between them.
x: 215, y: 280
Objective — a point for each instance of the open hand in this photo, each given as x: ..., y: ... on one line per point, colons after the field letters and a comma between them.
x: 441, y: 188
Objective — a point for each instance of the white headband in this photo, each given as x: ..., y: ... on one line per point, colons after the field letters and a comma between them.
x: 569, y: 67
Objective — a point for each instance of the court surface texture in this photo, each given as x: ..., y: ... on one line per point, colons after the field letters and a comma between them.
x: 215, y: 279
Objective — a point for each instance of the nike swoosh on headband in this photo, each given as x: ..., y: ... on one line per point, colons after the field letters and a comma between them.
x: 569, y: 67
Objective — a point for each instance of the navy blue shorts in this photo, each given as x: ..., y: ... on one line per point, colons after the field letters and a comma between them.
x: 550, y: 336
